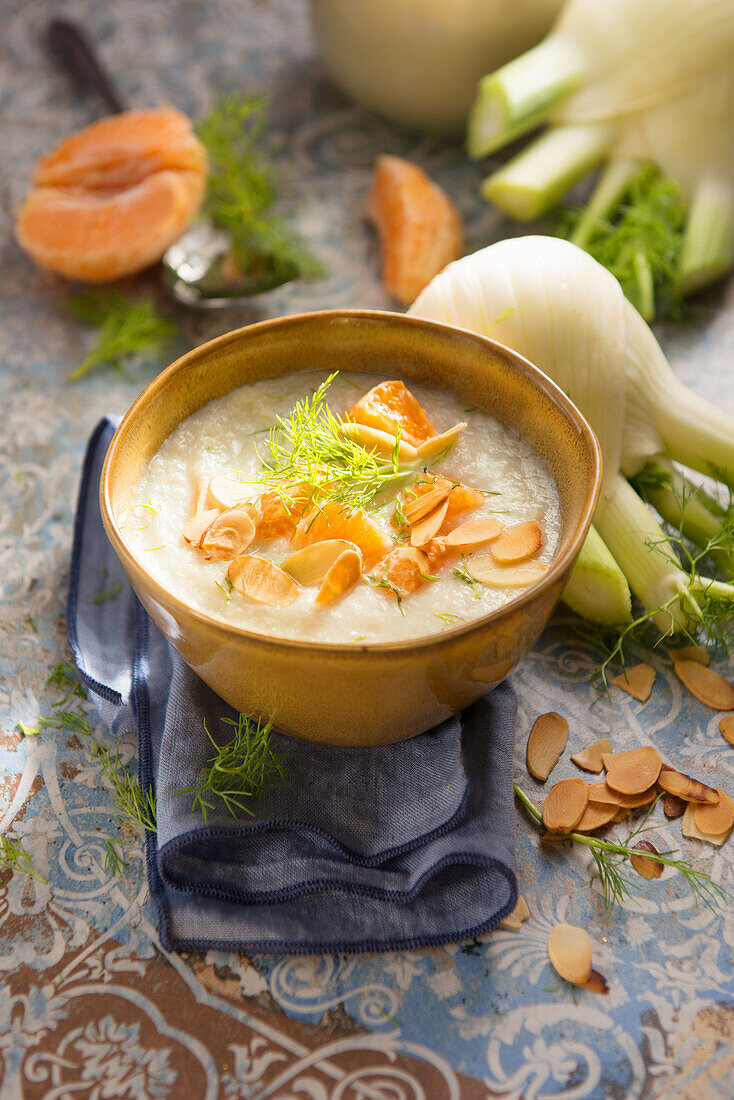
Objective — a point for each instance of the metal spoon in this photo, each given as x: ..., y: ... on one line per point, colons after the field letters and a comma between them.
x: 199, y: 269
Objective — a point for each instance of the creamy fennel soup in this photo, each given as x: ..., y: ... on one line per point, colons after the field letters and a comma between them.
x: 344, y: 509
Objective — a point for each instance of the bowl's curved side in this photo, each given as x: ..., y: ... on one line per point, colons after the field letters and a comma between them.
x: 380, y: 692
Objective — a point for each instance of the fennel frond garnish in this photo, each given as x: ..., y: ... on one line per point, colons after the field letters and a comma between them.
x: 127, y: 329
x: 611, y: 860
x: 382, y: 582
x: 135, y: 806
x: 14, y: 857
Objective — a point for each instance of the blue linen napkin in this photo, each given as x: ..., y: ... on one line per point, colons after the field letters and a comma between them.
x: 361, y: 849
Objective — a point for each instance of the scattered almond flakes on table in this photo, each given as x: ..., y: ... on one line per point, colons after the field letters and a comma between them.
x: 520, y: 913
x: 546, y: 743
x: 637, y: 682
x: 726, y: 728
x: 590, y: 759
x: 708, y: 686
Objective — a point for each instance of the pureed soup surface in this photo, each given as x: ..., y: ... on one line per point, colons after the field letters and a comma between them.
x: 404, y: 567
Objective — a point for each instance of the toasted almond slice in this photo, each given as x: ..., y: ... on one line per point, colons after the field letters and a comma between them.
x: 622, y: 814
x: 637, y: 682
x: 197, y: 524
x: 648, y: 868
x: 600, y: 792
x: 726, y: 728
x: 262, y: 581
x: 673, y: 806
x: 690, y: 829
x: 418, y: 508
x: 345, y: 572
x: 597, y: 983
x: 715, y: 820
x: 437, y: 443
x: 708, y: 686
x: 685, y: 787
x: 372, y: 439
x: 473, y: 533
x: 564, y: 805
x: 595, y: 815
x: 519, y: 914
x: 636, y: 771
x: 486, y: 571
x: 310, y: 565
x: 569, y: 950
x: 590, y: 758
x: 227, y: 536
x: 226, y: 492
x: 546, y: 742
x: 517, y: 542
x: 425, y: 529
x: 201, y: 491
x: 608, y: 758
x: 695, y: 653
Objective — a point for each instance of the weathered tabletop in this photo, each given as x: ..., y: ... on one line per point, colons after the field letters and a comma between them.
x: 92, y: 1006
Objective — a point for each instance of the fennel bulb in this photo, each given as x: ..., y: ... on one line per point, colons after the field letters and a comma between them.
x: 551, y: 302
x: 627, y: 83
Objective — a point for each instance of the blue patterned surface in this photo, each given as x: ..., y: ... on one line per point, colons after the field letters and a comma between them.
x: 491, y: 1011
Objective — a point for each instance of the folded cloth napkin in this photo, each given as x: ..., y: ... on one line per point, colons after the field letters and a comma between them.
x: 366, y: 849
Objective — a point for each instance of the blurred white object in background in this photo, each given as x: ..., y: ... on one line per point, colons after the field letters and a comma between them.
x: 417, y: 62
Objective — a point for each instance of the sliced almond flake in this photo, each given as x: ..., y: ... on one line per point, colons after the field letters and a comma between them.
x: 517, y: 542
x: 474, y: 533
x: 564, y: 805
x: 637, y: 682
x: 197, y: 524
x: 590, y: 758
x: 685, y: 786
x: 310, y: 565
x: 695, y: 653
x: 344, y: 573
x: 227, y: 492
x: 597, y: 983
x: 546, y: 742
x: 708, y: 686
x: 648, y: 868
x: 691, y: 830
x: 600, y: 792
x: 201, y: 491
x: 519, y: 914
x: 372, y: 439
x: 570, y: 953
x: 425, y: 529
x: 673, y: 806
x: 622, y: 814
x: 595, y: 815
x: 608, y: 758
x: 437, y: 443
x: 635, y: 771
x: 262, y: 581
x: 726, y: 728
x: 486, y: 571
x: 418, y: 508
x: 227, y: 536
x: 717, y: 819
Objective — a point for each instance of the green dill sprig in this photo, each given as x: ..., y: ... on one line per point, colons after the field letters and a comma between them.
x: 134, y: 806
x: 448, y: 617
x: 107, y: 594
x: 242, y: 190
x: 239, y: 770
x: 114, y: 864
x: 14, y: 857
x: 382, y: 582
x: 459, y: 571
x: 127, y: 329
x: 611, y: 858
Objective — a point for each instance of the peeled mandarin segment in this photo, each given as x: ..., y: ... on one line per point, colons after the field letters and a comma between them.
x: 691, y: 830
x: 389, y: 406
x: 227, y: 535
x: 726, y: 728
x: 517, y: 542
x: 428, y: 527
x: 648, y: 868
x: 197, y: 524
x: 597, y: 983
x: 637, y: 682
x: 595, y: 815
x: 433, y: 447
x: 226, y: 492
x: 570, y: 953
x: 564, y: 805
x: 262, y: 581
x: 310, y: 565
x: 673, y: 806
x: 695, y: 653
x: 685, y: 787
x: 418, y: 508
x: 708, y: 686
x: 546, y: 742
x: 636, y: 771
x: 276, y: 517
x: 344, y: 573
x: 475, y: 532
x: 334, y: 521
x: 717, y: 819
x: 520, y: 913
x: 486, y: 571
x: 405, y: 568
x: 419, y: 227
x: 372, y: 439
x: 590, y: 759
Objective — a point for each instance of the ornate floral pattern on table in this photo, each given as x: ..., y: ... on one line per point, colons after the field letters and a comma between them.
x: 93, y: 1007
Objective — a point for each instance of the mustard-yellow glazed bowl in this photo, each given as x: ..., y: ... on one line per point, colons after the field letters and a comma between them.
x: 370, y: 693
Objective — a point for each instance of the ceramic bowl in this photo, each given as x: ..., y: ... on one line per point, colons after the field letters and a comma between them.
x: 370, y: 693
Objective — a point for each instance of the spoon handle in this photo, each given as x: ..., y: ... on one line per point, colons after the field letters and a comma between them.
x: 71, y: 46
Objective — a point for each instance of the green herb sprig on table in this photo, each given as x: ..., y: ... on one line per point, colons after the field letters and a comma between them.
x: 126, y: 329
x: 14, y: 857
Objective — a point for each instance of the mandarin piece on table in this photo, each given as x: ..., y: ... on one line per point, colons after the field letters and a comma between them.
x: 546, y: 743
x: 110, y: 199
x: 637, y: 682
x: 708, y: 686
x: 419, y: 228
x: 390, y: 406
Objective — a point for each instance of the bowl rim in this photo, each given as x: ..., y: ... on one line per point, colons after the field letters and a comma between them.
x: 430, y: 641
